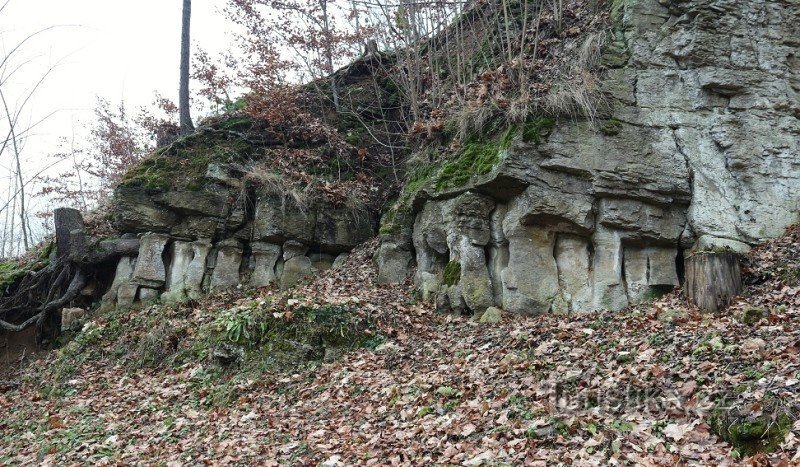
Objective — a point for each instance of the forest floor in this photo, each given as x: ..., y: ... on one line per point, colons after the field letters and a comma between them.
x: 656, y: 384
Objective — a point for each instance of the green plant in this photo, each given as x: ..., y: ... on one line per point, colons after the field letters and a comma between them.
x: 452, y: 273
x: 611, y: 127
x: 536, y: 128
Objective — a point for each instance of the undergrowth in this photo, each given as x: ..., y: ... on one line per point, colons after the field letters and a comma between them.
x: 250, y: 335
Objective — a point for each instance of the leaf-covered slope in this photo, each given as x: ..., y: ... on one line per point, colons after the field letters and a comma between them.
x: 658, y: 383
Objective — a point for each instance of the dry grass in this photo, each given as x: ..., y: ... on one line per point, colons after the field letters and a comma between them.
x: 274, y: 183
x: 472, y: 118
x: 577, y: 91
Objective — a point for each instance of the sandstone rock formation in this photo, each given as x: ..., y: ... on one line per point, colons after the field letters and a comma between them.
x: 700, y: 148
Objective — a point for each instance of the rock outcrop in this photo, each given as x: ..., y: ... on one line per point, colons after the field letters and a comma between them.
x: 700, y: 149
x: 221, y: 231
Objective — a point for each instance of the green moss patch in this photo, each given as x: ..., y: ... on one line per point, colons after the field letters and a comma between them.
x: 475, y: 159
x: 183, y: 164
x: 10, y: 273
x: 750, y: 436
x: 611, y: 127
x: 536, y: 129
x: 452, y: 273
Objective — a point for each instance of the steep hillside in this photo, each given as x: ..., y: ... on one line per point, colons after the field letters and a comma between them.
x: 477, y: 261
x: 660, y: 383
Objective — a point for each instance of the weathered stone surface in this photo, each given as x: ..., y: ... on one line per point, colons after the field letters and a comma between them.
x: 642, y: 221
x: 265, y: 256
x: 198, y: 227
x: 341, y: 229
x: 430, y: 242
x: 295, y: 269
x: 122, y: 276
x: 224, y: 174
x: 196, y: 270
x: 574, y: 273
x: 227, y: 265
x: 710, y: 242
x: 649, y: 271
x: 341, y: 258
x: 204, y: 203
x: 543, y: 205
x: 395, y: 259
x: 148, y: 296
x: 476, y: 285
x: 279, y: 219
x: 292, y: 248
x: 608, y: 290
x: 181, y: 255
x: 150, y: 270
x: 321, y: 262
x: 530, y: 282
x: 498, y: 251
x: 126, y: 295
x: 491, y: 315
x: 135, y: 211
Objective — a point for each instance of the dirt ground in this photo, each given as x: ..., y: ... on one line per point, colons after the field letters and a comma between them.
x: 14, y: 349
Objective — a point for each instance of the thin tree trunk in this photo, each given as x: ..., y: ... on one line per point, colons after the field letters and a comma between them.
x: 185, y: 116
x: 18, y: 163
x: 329, y: 54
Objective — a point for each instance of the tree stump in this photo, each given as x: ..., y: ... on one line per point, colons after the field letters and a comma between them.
x: 713, y: 279
x: 70, y: 233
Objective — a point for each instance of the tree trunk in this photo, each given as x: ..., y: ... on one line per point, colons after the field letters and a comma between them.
x: 329, y: 55
x: 185, y: 116
x: 713, y: 280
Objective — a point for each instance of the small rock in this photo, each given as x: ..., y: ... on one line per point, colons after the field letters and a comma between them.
x: 670, y: 316
x: 491, y: 315
x: 752, y: 315
x: 71, y: 315
x: 753, y: 345
x: 387, y: 347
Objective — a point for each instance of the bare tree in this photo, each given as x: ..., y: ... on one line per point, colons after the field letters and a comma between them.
x: 185, y: 116
x: 15, y: 98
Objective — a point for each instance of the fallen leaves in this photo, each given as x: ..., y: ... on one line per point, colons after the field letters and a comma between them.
x: 595, y: 388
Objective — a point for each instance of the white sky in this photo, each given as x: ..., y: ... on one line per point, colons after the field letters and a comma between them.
x: 116, y: 49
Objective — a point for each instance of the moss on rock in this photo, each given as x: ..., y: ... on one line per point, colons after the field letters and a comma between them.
x: 452, y: 273
x: 183, y: 164
x: 536, y: 129
x: 474, y: 159
x: 751, y: 435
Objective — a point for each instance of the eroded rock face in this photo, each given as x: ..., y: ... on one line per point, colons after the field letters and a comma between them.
x: 174, y: 271
x: 227, y: 264
x: 150, y: 268
x: 700, y: 149
x: 122, y: 278
x: 265, y: 258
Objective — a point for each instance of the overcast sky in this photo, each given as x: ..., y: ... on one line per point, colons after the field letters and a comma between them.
x: 116, y: 49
